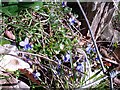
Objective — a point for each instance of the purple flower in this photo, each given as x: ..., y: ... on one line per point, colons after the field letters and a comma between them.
x: 76, y: 58
x: 85, y: 59
x: 64, y: 4
x: 97, y: 58
x: 25, y: 44
x: 58, y: 61
x: 28, y: 46
x: 36, y: 74
x: 70, y: 75
x: 67, y: 57
x: 94, y: 50
x: 90, y: 48
x: 79, y: 67
x: 72, y: 20
x: 27, y: 57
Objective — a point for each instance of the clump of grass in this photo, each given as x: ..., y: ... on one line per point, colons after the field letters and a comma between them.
x: 50, y: 41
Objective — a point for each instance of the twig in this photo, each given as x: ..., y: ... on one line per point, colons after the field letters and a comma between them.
x: 7, y: 39
x: 103, y: 41
x: 111, y: 82
x: 116, y: 6
x: 94, y: 42
x: 44, y: 57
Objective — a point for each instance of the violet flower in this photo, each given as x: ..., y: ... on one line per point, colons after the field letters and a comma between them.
x: 58, y: 61
x: 28, y: 46
x: 64, y: 4
x: 66, y: 58
x: 97, y: 58
x: 79, y: 67
x: 25, y: 44
x: 76, y: 58
x: 72, y: 20
x: 36, y: 74
x: 26, y: 57
x: 90, y: 48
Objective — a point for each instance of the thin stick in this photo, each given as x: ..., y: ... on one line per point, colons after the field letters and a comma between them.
x: 92, y: 36
x: 111, y: 83
x: 44, y: 57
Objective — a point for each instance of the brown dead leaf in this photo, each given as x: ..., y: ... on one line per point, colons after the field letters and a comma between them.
x: 9, y: 34
x: 117, y: 54
x: 12, y: 83
x: 104, y: 52
x: 117, y: 81
x: 30, y: 76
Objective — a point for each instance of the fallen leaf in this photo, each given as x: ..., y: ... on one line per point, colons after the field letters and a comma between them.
x: 29, y: 75
x: 12, y: 83
x: 9, y: 34
x: 117, y: 81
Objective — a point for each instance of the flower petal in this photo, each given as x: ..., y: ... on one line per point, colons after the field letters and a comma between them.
x: 22, y: 43
x: 64, y: 4
x: 72, y: 20
x: 26, y: 40
x: 79, y: 67
x: 67, y: 58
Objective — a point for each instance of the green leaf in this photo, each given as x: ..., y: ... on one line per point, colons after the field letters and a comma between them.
x: 10, y: 10
x: 0, y: 3
x: 83, y: 79
x: 23, y: 5
x: 4, y: 41
x: 67, y: 10
x: 115, y: 45
x: 95, y: 75
x: 102, y: 85
x: 13, y: 1
x: 4, y: 77
x: 37, y: 5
